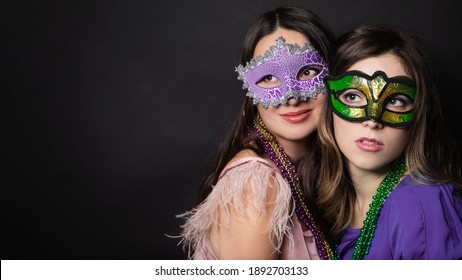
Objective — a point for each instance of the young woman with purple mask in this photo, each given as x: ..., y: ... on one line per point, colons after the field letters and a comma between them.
x: 252, y: 204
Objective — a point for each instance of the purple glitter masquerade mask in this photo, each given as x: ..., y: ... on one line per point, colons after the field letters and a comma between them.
x: 285, y: 62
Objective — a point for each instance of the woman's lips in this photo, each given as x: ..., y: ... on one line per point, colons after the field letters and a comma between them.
x: 369, y: 144
x: 296, y: 117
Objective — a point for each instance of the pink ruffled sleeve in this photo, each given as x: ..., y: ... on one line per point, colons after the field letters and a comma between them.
x: 248, y: 176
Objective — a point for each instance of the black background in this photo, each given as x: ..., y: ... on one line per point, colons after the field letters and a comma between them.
x: 115, y: 109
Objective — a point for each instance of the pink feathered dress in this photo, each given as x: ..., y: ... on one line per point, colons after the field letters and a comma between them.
x: 290, y: 239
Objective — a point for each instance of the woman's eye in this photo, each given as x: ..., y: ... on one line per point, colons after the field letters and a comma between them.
x: 400, y: 103
x: 268, y: 81
x: 308, y: 72
x: 353, y: 98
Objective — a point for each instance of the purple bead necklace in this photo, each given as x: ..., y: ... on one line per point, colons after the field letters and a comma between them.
x: 287, y: 169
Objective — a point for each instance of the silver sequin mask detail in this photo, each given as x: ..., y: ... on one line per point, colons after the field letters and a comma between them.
x: 285, y: 62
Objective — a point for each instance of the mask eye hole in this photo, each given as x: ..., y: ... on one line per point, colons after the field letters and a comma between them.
x: 399, y: 102
x: 308, y: 72
x: 268, y: 81
x: 353, y: 98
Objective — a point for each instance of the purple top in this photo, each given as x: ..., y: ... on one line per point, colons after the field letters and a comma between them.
x: 416, y: 222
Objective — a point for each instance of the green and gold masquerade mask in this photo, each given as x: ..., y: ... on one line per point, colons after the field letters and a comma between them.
x: 356, y: 97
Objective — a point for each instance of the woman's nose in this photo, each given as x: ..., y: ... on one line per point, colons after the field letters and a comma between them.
x: 372, y: 124
x: 293, y: 101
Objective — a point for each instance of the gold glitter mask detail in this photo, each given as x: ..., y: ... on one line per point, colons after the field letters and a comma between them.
x: 356, y: 97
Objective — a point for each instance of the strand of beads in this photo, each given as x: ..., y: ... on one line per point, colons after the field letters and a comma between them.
x: 370, y: 223
x: 282, y: 161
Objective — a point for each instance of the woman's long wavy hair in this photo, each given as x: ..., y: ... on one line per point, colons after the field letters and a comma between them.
x: 431, y: 154
x: 237, y: 138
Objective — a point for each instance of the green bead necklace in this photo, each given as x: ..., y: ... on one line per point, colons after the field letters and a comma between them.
x: 370, y: 223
